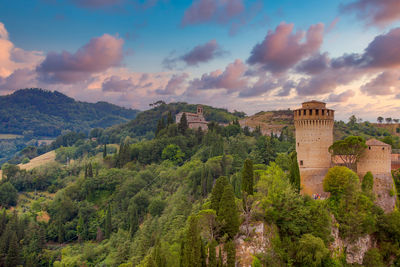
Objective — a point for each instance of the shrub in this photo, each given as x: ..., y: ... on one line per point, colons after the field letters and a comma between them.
x: 373, y: 258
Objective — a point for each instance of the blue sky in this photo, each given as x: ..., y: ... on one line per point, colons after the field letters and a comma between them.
x: 138, y: 36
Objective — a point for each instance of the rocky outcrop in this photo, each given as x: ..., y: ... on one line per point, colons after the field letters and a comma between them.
x: 384, y: 192
x: 354, y: 249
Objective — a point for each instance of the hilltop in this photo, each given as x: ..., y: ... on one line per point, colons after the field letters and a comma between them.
x: 37, y: 112
x: 269, y: 121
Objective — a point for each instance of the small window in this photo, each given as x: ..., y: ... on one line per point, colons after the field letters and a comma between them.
x: 383, y: 148
x: 310, y: 111
x: 369, y: 148
x: 298, y: 144
x: 301, y: 163
x: 304, y: 112
x: 317, y: 112
x: 323, y: 112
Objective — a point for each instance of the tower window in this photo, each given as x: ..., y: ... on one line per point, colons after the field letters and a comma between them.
x: 369, y: 148
x: 323, y: 112
x: 301, y: 163
x: 304, y: 112
x: 317, y: 112
x: 298, y: 144
x: 310, y: 111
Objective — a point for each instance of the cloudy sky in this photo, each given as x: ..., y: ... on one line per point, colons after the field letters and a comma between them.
x: 248, y: 55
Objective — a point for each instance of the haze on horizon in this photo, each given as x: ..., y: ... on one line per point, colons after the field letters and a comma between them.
x: 246, y: 55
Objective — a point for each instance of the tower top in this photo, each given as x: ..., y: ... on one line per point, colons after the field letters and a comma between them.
x: 314, y: 104
x: 314, y: 110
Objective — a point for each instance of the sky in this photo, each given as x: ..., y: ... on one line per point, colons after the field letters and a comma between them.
x: 246, y: 55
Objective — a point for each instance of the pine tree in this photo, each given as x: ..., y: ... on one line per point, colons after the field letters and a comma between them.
x: 105, y: 151
x: 108, y: 225
x: 230, y: 253
x: 183, y: 124
x: 217, y: 191
x: 294, y: 172
x: 170, y: 120
x: 12, y: 258
x: 248, y: 177
x: 228, y: 213
x: 192, y: 246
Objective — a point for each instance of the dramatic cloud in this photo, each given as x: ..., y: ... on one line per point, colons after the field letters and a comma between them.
x: 174, y: 84
x: 199, y: 54
x: 116, y: 84
x: 343, y: 97
x: 98, y: 55
x: 231, y: 79
x: 314, y: 64
x: 262, y: 86
x: 220, y: 11
x: 20, y: 78
x: 375, y: 12
x: 386, y: 83
x: 282, y: 49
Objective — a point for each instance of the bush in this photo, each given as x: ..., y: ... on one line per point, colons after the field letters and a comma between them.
x: 311, y: 251
x: 373, y: 258
x: 25, y: 161
x: 8, y: 195
x: 340, y: 180
x: 156, y: 207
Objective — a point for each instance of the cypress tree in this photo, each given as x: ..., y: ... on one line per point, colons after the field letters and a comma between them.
x: 3, y: 221
x: 217, y: 191
x: 12, y: 258
x: 199, y: 135
x: 203, y: 255
x: 86, y: 171
x: 108, y: 225
x: 133, y: 219
x: 248, y: 177
x: 210, y: 181
x: 212, y: 257
x: 228, y: 213
x: 105, y: 151
x: 220, y: 258
x: 90, y: 170
x: 170, y: 120
x: 203, y: 182
x: 294, y: 172
x: 183, y: 124
x: 230, y: 253
x: 159, y: 258
x: 160, y: 126
x: 192, y: 246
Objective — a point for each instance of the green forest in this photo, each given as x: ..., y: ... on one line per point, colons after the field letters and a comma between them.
x: 153, y: 192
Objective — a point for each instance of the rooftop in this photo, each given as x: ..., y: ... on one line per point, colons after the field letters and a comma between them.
x: 374, y: 142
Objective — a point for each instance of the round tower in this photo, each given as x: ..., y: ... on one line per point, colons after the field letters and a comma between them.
x: 314, y: 135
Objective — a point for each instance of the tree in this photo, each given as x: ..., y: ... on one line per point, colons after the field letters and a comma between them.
x: 9, y: 170
x: 105, y: 151
x: 349, y: 150
x: 217, y: 191
x: 340, y: 180
x: 248, y: 177
x: 311, y: 251
x: 12, y: 258
x: 160, y: 126
x: 8, y: 195
x: 170, y: 120
x: 156, y: 207
x: 212, y: 257
x: 380, y: 119
x: 192, y: 245
x: 388, y: 120
x: 173, y: 153
x: 183, y: 124
x: 367, y: 183
x: 294, y: 172
x: 373, y: 258
x: 90, y: 170
x: 108, y: 224
x: 230, y: 253
x: 228, y: 213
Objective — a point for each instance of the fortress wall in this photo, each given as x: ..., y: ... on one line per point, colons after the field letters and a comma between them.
x: 384, y: 191
x: 311, y: 180
x: 376, y: 159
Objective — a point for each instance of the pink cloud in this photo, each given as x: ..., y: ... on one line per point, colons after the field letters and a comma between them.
x: 282, y: 49
x: 232, y: 78
x: 374, y: 12
x: 342, y: 97
x: 98, y: 55
x: 117, y: 84
x: 220, y: 11
x: 20, y: 78
x: 175, y: 83
x: 386, y: 83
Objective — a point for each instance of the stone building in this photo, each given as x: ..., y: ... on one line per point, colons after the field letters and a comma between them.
x: 195, y: 120
x: 314, y: 135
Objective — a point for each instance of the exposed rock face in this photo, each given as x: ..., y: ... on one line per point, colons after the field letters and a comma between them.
x: 256, y: 242
x: 355, y: 250
x: 384, y: 192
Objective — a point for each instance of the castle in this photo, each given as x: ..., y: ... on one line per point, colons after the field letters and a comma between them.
x: 194, y: 120
x: 314, y: 135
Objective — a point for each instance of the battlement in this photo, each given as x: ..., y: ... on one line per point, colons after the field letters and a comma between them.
x: 314, y: 110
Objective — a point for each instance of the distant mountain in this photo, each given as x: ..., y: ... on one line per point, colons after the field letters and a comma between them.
x: 146, y: 121
x: 42, y: 113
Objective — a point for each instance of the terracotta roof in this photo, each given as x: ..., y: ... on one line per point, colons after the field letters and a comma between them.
x: 374, y: 142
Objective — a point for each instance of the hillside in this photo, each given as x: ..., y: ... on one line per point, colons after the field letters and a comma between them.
x: 269, y: 121
x: 146, y: 122
x: 37, y: 112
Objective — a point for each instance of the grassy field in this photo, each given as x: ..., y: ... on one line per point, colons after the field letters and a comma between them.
x: 46, y: 158
x: 10, y: 136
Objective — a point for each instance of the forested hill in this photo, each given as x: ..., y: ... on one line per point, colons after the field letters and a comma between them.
x: 40, y: 112
x: 146, y: 122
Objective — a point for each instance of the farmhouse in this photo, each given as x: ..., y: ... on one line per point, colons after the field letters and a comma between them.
x: 195, y: 120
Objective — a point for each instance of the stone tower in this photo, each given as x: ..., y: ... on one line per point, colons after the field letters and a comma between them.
x: 314, y: 135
